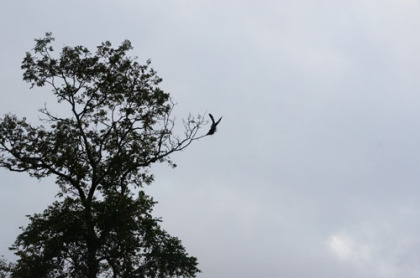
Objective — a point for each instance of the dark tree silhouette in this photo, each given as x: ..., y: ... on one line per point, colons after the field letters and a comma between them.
x: 115, y: 123
x: 5, y: 268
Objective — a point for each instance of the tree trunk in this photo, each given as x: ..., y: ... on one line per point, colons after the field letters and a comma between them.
x: 92, y: 246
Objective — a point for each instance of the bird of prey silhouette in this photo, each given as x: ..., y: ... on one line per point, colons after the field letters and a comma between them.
x: 213, y: 125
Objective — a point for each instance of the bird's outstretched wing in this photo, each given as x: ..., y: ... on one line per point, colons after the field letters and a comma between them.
x: 211, y: 116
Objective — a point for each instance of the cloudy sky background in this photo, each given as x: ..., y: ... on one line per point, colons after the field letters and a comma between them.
x: 315, y: 169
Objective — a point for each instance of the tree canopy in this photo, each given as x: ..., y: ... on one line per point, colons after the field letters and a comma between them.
x: 116, y: 122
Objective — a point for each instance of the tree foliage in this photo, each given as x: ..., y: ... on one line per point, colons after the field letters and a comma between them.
x: 5, y: 268
x: 116, y: 123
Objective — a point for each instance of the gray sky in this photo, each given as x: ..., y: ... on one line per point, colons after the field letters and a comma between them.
x: 315, y: 169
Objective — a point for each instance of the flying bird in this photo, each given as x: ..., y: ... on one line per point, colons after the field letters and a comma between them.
x: 213, y: 125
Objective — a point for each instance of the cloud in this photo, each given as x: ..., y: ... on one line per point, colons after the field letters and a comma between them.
x: 378, y: 249
x: 345, y: 248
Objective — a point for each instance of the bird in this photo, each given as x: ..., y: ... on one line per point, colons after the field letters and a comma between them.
x: 213, y: 125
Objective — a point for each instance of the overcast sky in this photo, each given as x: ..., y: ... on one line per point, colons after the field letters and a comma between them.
x: 315, y: 169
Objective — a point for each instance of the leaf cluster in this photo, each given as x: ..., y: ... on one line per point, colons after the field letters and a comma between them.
x: 132, y: 244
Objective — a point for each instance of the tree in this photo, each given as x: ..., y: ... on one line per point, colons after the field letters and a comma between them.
x: 118, y: 123
x: 5, y: 268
